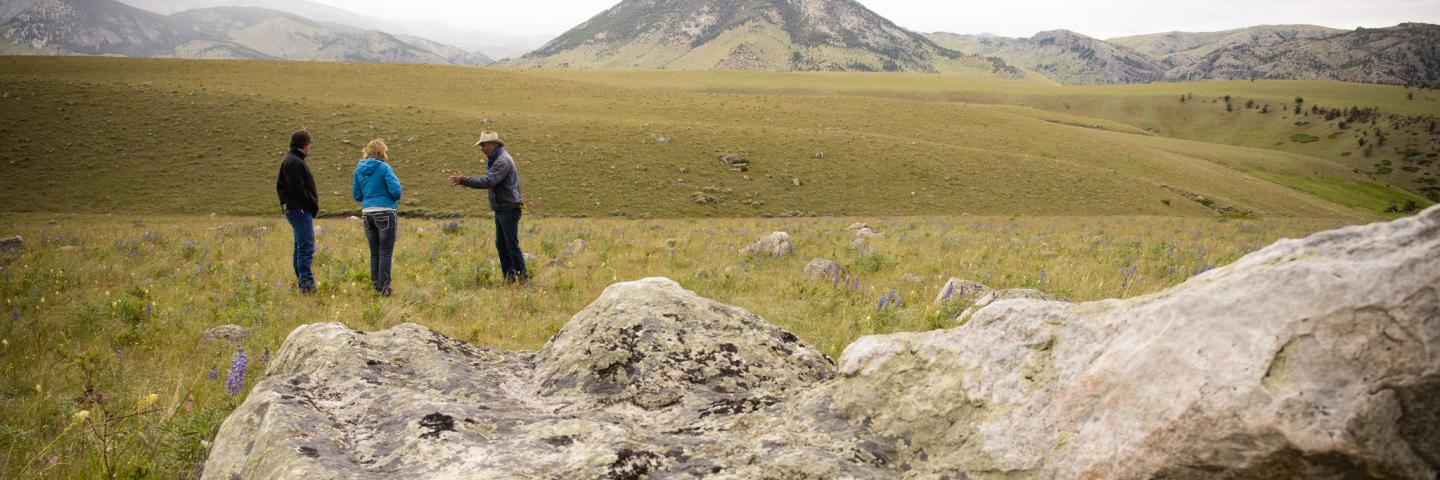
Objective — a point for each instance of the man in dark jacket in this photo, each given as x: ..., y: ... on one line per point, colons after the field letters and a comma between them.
x: 503, y: 182
x: 298, y: 198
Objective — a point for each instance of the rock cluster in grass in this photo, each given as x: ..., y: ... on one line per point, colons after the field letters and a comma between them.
x: 1311, y: 358
x: 822, y: 269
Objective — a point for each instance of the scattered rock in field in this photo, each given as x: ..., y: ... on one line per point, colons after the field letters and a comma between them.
x: 576, y: 247
x: 69, y: 248
x: 529, y: 259
x: 353, y: 218
x: 485, y: 121
x: 857, y: 226
x: 862, y: 236
x: 12, y: 244
x: 820, y: 155
x: 912, y: 278
x: 412, y: 139
x: 684, y: 170
x: 319, y: 231
x: 1260, y: 369
x: 1007, y: 294
x: 822, y: 269
x: 226, y: 333
x: 702, y: 198
x: 961, y: 290
x: 795, y: 181
x: 773, y: 245
x: 660, y: 139
x: 734, y: 162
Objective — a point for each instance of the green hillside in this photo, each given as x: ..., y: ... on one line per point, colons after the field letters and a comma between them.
x: 176, y: 136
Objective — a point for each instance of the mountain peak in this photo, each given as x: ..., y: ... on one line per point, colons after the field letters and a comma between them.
x: 750, y: 35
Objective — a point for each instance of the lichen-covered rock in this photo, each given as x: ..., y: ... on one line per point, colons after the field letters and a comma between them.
x: 708, y: 351
x: 773, y: 245
x: 226, y: 333
x: 822, y: 269
x: 1313, y: 358
x: 961, y: 290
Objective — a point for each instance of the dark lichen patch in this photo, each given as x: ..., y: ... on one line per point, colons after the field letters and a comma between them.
x: 435, y: 423
x: 309, y: 452
x: 733, y: 406
x: 559, y: 441
x: 632, y: 465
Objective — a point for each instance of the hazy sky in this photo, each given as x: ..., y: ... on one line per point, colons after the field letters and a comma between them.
x: 1097, y: 18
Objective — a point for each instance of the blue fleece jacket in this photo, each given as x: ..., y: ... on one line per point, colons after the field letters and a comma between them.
x: 375, y: 184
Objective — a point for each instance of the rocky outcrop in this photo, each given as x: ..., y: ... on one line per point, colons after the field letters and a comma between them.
x: 775, y: 244
x: 1313, y: 358
x: 988, y: 297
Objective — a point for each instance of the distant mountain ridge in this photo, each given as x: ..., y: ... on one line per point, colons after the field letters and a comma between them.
x: 783, y: 35
x: 493, y: 45
x: 1405, y: 54
x: 108, y: 27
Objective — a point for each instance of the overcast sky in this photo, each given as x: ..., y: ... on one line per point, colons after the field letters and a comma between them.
x: 1097, y: 18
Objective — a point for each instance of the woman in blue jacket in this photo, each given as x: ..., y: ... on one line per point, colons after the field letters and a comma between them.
x: 378, y: 190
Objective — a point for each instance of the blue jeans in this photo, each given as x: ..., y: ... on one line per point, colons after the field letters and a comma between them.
x: 507, y: 244
x: 380, y: 231
x: 304, y: 226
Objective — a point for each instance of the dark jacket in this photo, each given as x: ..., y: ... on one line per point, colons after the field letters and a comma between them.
x: 501, y: 179
x: 295, y: 185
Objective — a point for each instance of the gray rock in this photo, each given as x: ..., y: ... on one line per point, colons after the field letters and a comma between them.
x: 822, y: 269
x: 961, y: 290
x: 529, y: 259
x: 857, y: 226
x: 576, y: 247
x: 12, y: 244
x: 988, y: 296
x: 1313, y: 358
x: 773, y: 245
x: 226, y: 333
x: 911, y: 278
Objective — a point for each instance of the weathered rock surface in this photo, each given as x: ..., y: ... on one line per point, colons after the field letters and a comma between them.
x: 1313, y: 358
x: 226, y: 333
x: 822, y: 269
x: 774, y: 245
x: 12, y: 244
x: 576, y: 247
x: 991, y: 296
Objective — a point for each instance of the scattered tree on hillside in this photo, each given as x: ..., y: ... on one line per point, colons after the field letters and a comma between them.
x: 1229, y: 108
x: 1299, y: 101
x: 1249, y: 104
x: 1297, y: 106
x: 1227, y: 99
x: 1409, y: 95
x: 1182, y: 99
x: 1265, y: 109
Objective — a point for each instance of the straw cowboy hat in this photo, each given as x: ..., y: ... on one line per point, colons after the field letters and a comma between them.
x: 488, y: 136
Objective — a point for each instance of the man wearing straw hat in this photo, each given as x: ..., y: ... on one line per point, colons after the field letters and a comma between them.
x: 503, y: 183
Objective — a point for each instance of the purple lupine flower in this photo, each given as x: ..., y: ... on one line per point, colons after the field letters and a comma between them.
x: 214, y: 374
x: 265, y: 357
x: 837, y: 281
x: 897, y: 303
x: 891, y: 299
x: 1042, y: 274
x: 149, y: 308
x: 880, y: 304
x: 15, y: 315
x: 235, y: 378
x: 949, y: 289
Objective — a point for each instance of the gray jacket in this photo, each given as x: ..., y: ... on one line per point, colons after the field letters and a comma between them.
x: 501, y: 179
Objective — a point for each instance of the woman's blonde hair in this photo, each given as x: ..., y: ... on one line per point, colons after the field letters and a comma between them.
x: 374, y: 149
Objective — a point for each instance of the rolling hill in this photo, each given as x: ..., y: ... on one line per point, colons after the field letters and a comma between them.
x: 1063, y: 56
x: 587, y: 148
x: 775, y: 35
x: 108, y: 27
x: 291, y: 37
x: 1400, y: 55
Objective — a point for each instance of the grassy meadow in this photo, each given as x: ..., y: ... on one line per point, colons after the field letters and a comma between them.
x: 144, y: 191
x: 102, y: 311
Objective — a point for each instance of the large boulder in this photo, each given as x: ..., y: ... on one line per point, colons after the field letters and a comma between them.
x: 1314, y: 358
x: 773, y: 245
x: 985, y: 297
